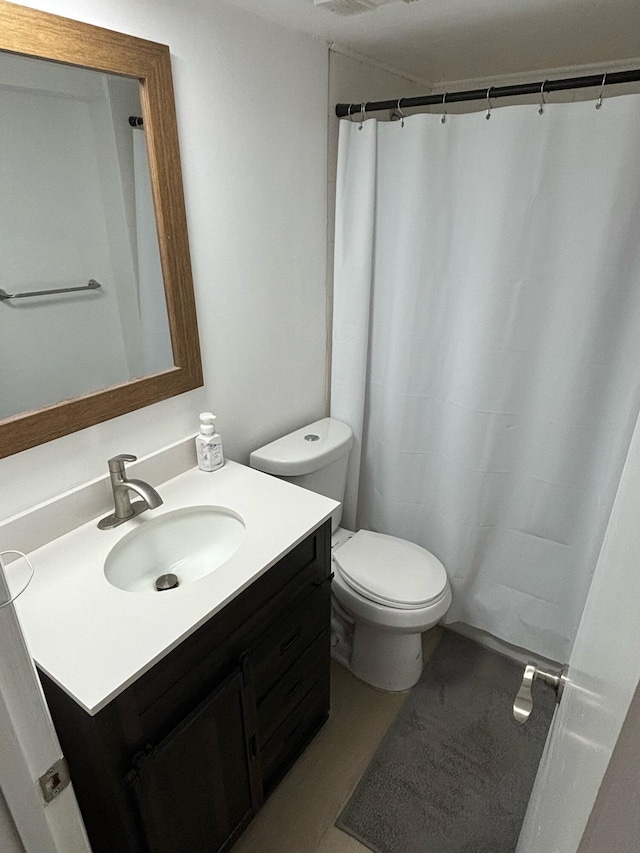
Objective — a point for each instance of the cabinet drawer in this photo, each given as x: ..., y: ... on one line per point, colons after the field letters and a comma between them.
x: 290, y: 738
x: 284, y: 645
x: 294, y: 684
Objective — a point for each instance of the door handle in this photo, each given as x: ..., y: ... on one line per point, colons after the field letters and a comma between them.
x: 523, y: 705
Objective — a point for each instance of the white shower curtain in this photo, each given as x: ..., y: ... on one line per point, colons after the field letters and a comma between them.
x: 486, y: 347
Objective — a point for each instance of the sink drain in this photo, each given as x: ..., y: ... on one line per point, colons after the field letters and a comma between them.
x: 169, y: 581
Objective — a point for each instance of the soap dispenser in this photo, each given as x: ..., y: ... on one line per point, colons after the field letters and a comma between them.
x: 209, y: 444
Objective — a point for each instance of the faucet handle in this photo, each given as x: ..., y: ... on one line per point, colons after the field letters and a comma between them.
x: 116, y: 464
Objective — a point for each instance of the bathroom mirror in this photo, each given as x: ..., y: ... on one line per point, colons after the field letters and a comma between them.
x: 97, y: 314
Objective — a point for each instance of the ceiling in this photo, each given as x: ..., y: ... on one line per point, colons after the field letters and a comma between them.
x: 444, y: 40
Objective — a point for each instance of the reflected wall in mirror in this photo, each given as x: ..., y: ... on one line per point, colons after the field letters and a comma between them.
x: 79, y: 186
x: 76, y: 206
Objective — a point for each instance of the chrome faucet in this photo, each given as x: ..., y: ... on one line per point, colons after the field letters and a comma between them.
x: 121, y: 486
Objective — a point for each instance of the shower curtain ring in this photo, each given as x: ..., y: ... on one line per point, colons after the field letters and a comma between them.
x: 488, y: 115
x: 543, y: 103
x: 363, y: 115
x: 349, y: 116
x: 399, y: 109
x: 604, y: 80
x: 444, y: 109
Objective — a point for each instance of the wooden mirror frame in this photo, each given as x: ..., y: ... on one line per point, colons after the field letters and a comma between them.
x: 40, y: 35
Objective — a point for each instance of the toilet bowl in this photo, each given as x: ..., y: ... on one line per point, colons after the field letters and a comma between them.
x: 393, y: 589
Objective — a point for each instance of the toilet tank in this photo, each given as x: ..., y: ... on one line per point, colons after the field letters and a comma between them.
x: 314, y: 457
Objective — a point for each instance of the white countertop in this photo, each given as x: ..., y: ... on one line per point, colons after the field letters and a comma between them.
x: 94, y: 640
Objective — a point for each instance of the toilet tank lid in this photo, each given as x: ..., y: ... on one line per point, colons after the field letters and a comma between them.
x: 305, y: 450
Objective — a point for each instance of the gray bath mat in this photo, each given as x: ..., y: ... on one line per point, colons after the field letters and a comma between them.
x: 455, y: 771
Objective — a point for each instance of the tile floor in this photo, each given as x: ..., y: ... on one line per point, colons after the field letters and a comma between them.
x: 299, y: 816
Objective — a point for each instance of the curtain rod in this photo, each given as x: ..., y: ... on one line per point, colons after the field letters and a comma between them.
x: 609, y: 79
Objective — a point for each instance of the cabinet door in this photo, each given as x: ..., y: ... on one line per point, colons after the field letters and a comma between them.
x: 194, y: 788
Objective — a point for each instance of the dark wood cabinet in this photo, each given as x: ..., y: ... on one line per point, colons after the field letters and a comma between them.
x: 193, y: 789
x: 184, y: 757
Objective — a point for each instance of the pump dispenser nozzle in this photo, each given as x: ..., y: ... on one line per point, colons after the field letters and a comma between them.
x: 207, y: 423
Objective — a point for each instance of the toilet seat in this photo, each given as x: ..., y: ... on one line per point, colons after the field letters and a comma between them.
x: 391, y: 571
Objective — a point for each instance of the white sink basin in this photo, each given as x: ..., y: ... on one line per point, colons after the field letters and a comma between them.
x: 189, y: 543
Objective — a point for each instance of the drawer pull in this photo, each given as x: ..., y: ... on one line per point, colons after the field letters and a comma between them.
x: 290, y: 642
x: 293, y: 689
x: 295, y: 728
x: 318, y: 584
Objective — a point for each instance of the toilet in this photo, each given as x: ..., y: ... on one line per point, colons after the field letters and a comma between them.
x: 391, y: 589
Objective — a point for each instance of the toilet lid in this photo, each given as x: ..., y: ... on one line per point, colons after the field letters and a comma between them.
x: 391, y: 571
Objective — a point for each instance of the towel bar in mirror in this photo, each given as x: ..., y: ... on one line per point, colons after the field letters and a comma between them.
x: 92, y: 284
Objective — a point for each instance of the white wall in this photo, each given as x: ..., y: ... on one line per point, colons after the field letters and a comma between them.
x: 251, y: 101
x: 54, y: 236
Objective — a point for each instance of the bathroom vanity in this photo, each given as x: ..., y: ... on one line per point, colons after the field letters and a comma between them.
x: 180, y: 711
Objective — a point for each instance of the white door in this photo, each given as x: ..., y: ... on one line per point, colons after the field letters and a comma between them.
x: 604, y: 670
x: 29, y: 747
